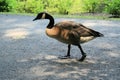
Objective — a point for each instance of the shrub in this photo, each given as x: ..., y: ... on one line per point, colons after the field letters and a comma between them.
x: 58, y: 6
x: 113, y: 7
x: 51, y: 6
x: 30, y: 6
x: 8, y: 5
x: 76, y: 7
x: 93, y: 6
x: 3, y: 6
x: 64, y: 6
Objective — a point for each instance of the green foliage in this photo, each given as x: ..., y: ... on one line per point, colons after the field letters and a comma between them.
x: 113, y: 7
x: 61, y: 6
x: 30, y: 6
x: 64, y: 6
x: 3, y: 6
x: 8, y: 5
x: 92, y: 6
x: 51, y: 6
x: 76, y: 7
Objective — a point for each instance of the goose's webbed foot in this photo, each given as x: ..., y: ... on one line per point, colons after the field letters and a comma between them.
x: 82, y: 58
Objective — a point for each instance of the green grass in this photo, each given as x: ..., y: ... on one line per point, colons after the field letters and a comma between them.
x: 67, y: 16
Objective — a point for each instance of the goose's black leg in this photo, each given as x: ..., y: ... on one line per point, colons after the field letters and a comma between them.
x: 82, y: 52
x: 68, y: 53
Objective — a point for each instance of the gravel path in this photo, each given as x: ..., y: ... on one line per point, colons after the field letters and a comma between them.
x: 26, y: 53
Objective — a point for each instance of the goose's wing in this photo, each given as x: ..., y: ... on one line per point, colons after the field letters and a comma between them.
x: 77, y: 29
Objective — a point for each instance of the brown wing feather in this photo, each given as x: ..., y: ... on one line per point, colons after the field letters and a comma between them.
x: 77, y: 28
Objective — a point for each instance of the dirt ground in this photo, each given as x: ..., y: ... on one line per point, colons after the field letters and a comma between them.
x: 26, y: 53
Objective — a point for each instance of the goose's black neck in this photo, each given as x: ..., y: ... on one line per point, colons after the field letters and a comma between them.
x: 51, y: 23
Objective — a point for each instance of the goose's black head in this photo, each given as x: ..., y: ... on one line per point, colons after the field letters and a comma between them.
x: 42, y: 15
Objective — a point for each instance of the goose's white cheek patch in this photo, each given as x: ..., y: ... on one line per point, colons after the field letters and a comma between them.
x: 43, y: 16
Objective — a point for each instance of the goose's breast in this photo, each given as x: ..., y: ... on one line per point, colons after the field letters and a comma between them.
x: 58, y: 34
x: 54, y: 32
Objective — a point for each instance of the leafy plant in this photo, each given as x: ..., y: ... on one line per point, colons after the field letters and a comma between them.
x: 76, y: 7
x: 64, y: 6
x: 113, y: 7
x: 30, y: 6
x: 8, y: 5
x: 93, y: 6
x: 51, y: 6
x: 61, y: 6
x: 58, y: 6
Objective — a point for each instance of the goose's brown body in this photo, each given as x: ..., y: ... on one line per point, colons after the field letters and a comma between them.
x: 69, y: 32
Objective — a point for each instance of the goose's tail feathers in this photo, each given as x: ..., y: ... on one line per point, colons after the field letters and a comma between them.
x: 98, y: 34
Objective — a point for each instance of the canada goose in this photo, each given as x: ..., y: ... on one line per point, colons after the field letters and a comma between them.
x: 69, y: 32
